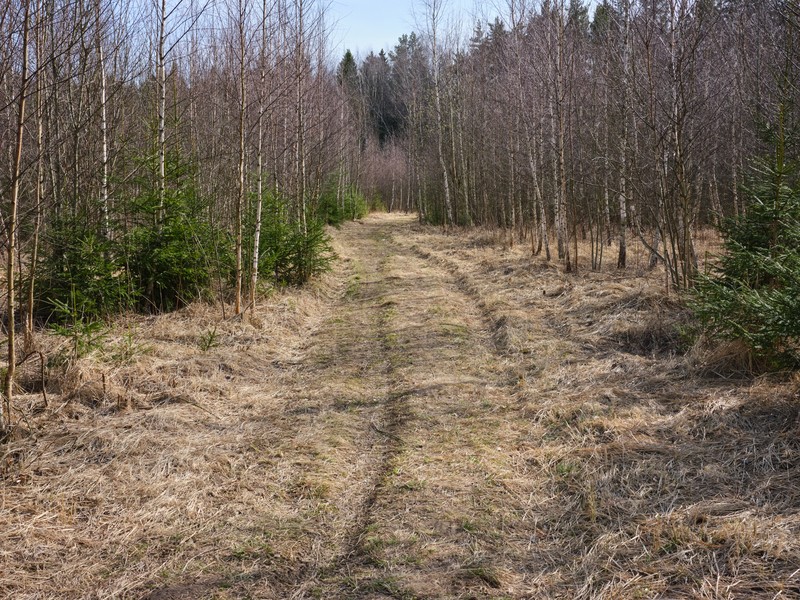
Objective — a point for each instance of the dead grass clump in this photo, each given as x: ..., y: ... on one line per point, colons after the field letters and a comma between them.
x: 482, y: 571
x: 482, y: 238
x: 725, y: 358
x: 32, y: 374
x: 91, y: 394
x: 629, y: 318
x: 653, y: 337
x: 510, y: 335
x: 771, y: 412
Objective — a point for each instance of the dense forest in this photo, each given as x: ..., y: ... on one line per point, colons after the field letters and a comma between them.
x: 643, y: 121
x: 155, y: 153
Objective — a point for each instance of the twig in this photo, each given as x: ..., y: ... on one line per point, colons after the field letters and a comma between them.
x: 386, y: 433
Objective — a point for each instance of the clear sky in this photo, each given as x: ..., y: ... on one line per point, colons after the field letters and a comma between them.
x: 364, y: 25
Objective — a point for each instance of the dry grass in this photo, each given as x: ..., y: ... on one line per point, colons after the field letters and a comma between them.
x: 441, y: 417
x: 154, y: 457
x: 647, y: 474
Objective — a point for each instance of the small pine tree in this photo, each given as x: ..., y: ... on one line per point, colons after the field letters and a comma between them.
x: 83, y: 270
x: 753, y: 294
x: 173, y: 253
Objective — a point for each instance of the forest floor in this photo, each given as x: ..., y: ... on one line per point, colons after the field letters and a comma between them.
x: 439, y: 417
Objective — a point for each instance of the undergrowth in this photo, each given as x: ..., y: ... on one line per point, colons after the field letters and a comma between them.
x: 169, y: 251
x: 753, y: 295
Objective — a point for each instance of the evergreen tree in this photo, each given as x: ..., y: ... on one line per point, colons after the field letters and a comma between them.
x: 753, y: 295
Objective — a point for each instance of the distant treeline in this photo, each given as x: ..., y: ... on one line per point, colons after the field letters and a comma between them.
x: 641, y: 121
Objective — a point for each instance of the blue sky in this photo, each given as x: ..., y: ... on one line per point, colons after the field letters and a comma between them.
x: 364, y: 25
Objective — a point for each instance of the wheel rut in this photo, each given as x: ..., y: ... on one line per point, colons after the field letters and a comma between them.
x: 382, y: 426
x: 423, y: 528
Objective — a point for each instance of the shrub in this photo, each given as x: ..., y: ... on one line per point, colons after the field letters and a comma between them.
x: 173, y: 253
x: 311, y: 254
x: 288, y: 255
x: 173, y: 262
x: 168, y: 267
x: 84, y: 333
x: 376, y: 203
x: 82, y: 270
x: 753, y: 294
x: 335, y: 211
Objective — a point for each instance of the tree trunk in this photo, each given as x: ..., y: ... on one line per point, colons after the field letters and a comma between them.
x: 105, y: 227
x: 622, y: 258
x: 241, y: 192
x: 435, y: 8
x: 260, y: 158
x: 40, y: 178
x: 161, y: 76
x: 8, y: 384
x: 300, y: 116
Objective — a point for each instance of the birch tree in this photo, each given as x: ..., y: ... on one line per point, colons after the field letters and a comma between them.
x: 434, y: 16
x: 12, y: 223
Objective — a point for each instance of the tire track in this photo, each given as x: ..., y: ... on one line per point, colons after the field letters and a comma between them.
x: 501, y: 326
x: 446, y: 375
x: 383, y: 426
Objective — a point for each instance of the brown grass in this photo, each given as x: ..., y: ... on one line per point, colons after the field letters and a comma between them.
x: 440, y: 417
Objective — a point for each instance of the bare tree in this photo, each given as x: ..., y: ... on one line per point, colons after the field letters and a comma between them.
x: 265, y: 18
x: 240, y: 40
x: 434, y: 15
x: 625, y: 9
x: 300, y: 72
x: 12, y: 222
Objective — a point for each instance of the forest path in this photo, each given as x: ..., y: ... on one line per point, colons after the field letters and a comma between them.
x: 380, y: 453
x: 442, y: 416
x: 399, y: 488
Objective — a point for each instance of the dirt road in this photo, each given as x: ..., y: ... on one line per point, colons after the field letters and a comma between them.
x: 441, y: 419
x: 391, y: 470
